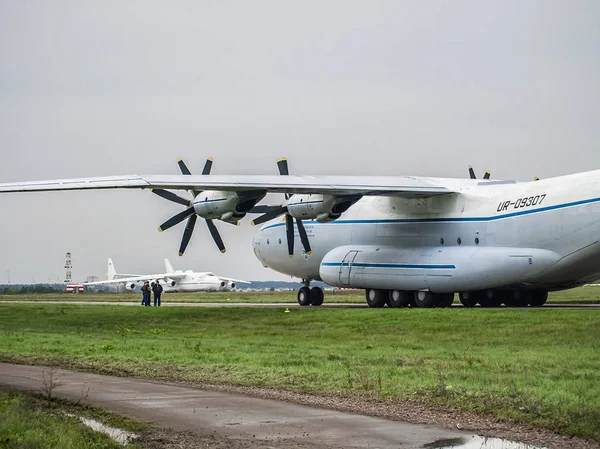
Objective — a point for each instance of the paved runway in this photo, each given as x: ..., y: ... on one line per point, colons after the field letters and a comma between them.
x: 267, y: 422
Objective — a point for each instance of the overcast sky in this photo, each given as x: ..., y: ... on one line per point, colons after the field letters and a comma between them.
x: 339, y: 87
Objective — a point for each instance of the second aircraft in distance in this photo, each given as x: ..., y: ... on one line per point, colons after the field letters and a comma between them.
x: 173, y: 281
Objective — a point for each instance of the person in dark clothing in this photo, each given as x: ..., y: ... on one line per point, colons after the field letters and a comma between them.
x: 146, y: 294
x: 157, y: 290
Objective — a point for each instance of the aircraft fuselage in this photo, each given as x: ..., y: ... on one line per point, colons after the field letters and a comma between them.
x: 534, y: 235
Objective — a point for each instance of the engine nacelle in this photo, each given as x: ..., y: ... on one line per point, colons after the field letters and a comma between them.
x: 130, y: 286
x: 226, y: 206
x: 172, y: 283
x: 323, y: 208
x: 232, y: 285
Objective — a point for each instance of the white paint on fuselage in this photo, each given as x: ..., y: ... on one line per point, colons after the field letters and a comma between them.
x: 566, y: 221
x: 193, y: 282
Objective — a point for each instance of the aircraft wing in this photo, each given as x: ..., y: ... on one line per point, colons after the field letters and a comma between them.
x: 147, y: 277
x: 233, y: 280
x: 403, y: 186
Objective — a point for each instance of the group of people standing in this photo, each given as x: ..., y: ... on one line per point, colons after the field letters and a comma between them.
x: 146, y: 290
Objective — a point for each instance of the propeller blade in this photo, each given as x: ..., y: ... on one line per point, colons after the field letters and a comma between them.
x: 187, y: 233
x: 176, y: 219
x: 186, y: 171
x: 289, y: 230
x: 263, y: 208
x: 207, y: 166
x: 270, y: 215
x: 282, y: 164
x: 303, y: 236
x: 171, y: 196
x: 487, y: 175
x: 183, y: 167
x: 215, y: 235
x: 472, y: 173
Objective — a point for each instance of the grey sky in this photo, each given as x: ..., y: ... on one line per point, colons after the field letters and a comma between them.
x: 423, y: 88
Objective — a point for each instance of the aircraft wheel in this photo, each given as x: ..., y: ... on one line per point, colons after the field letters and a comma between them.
x: 426, y: 300
x: 518, y: 298
x: 317, y: 296
x: 490, y: 298
x: 399, y: 298
x: 446, y: 299
x: 468, y: 299
x: 304, y: 296
x: 376, y: 298
x: 538, y: 298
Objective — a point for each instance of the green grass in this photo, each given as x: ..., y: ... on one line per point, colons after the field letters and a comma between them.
x: 582, y: 295
x: 540, y: 367
x: 27, y: 422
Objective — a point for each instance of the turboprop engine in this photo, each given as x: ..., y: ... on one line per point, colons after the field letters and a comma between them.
x: 226, y: 206
x: 323, y: 208
x: 129, y: 286
x: 210, y: 205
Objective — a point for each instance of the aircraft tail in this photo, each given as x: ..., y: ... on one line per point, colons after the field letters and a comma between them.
x: 111, y: 270
x: 168, y: 267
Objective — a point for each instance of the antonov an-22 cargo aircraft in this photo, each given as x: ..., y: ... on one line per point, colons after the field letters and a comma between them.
x: 406, y: 240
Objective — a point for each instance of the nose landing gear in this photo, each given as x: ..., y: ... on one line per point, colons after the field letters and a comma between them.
x: 310, y: 296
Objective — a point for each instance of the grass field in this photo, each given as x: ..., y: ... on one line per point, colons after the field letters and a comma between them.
x: 29, y: 422
x: 582, y: 295
x: 540, y: 367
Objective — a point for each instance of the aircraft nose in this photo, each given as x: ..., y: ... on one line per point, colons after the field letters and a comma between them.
x: 257, y: 245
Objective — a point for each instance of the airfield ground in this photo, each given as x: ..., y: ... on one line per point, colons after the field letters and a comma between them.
x: 535, y: 367
x: 582, y: 295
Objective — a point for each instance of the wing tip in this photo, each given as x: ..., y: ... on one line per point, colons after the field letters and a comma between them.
x: 160, y: 229
x: 223, y: 250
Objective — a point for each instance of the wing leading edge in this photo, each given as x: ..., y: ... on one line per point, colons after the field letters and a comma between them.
x: 403, y: 186
x: 150, y: 277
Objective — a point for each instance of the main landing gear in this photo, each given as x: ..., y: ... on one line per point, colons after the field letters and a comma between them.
x: 400, y: 298
x: 484, y: 298
x: 310, y: 296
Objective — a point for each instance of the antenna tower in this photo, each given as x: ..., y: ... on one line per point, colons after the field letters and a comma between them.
x: 68, y: 267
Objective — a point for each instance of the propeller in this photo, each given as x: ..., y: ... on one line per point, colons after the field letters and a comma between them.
x: 472, y: 174
x: 276, y: 211
x: 188, y: 213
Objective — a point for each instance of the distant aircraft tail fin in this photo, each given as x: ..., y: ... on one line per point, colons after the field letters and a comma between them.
x: 111, y: 270
x: 168, y: 267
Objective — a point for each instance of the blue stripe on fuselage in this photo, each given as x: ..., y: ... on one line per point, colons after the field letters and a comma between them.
x: 448, y: 219
x: 389, y: 265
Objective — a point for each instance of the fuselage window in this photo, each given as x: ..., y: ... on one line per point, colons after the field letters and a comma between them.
x: 441, y: 241
x: 458, y: 240
x: 267, y: 241
x: 477, y: 240
x: 280, y: 241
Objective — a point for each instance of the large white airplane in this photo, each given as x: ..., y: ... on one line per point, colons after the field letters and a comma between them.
x: 173, y: 281
x: 406, y: 240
